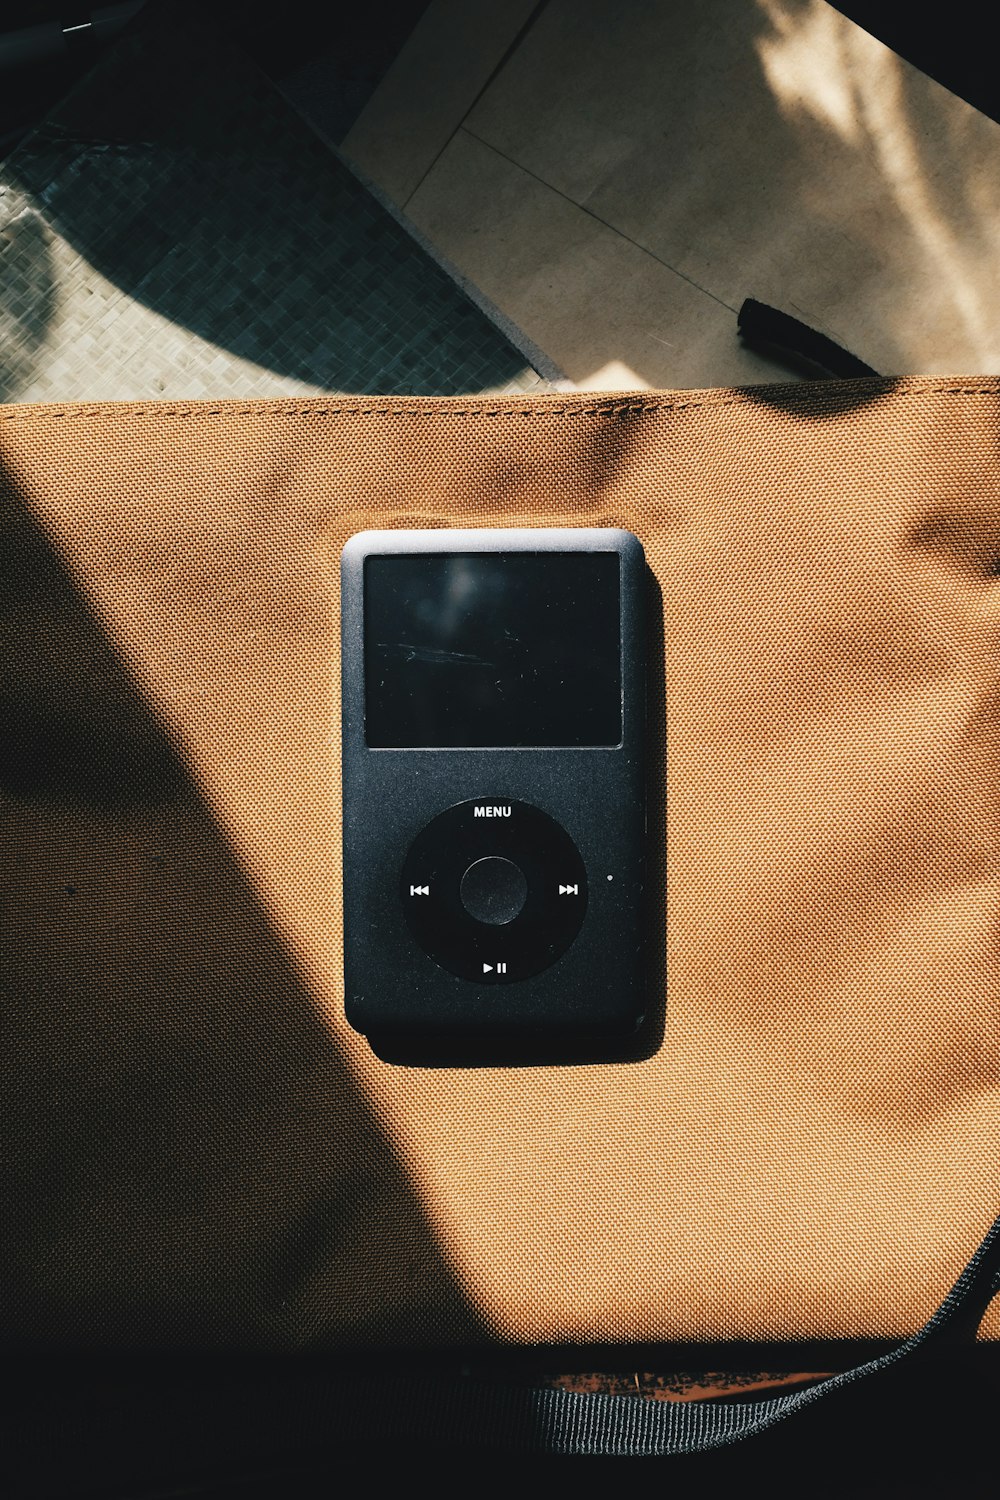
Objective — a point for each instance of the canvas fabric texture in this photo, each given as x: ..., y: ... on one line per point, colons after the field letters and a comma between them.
x: 199, y: 1153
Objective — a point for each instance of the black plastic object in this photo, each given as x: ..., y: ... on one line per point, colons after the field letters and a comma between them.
x: 813, y: 354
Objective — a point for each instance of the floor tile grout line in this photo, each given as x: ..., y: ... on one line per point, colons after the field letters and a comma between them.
x: 590, y: 214
x: 505, y: 57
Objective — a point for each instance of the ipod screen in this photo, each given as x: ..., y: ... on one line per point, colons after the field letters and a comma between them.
x: 492, y: 649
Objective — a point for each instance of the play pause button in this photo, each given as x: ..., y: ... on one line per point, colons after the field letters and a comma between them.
x: 494, y: 968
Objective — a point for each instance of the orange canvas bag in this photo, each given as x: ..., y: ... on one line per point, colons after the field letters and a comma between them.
x: 200, y: 1154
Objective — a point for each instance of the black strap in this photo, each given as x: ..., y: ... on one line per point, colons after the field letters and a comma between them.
x: 511, y: 1419
x: 129, y: 1429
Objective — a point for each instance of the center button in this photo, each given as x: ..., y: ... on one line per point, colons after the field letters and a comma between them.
x: 494, y: 890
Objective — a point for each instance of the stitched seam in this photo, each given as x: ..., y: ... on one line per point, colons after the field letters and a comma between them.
x: 32, y: 414
x: 369, y: 411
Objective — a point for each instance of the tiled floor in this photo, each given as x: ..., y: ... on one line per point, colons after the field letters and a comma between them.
x: 173, y: 229
x: 618, y: 178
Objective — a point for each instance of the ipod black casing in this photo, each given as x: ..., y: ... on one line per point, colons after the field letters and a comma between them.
x: 494, y: 786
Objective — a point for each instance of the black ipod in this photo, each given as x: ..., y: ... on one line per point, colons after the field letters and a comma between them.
x: 493, y: 698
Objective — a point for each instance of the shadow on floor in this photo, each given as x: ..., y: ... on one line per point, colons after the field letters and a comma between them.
x: 175, y: 180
